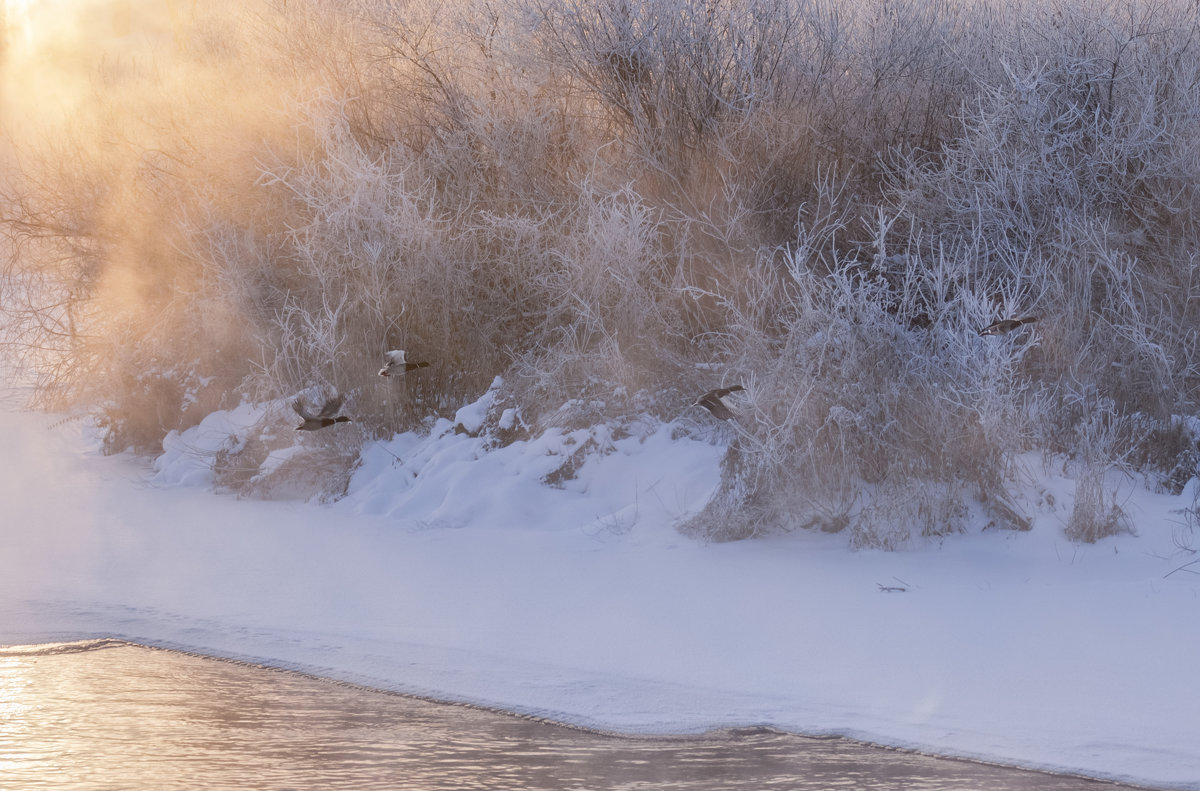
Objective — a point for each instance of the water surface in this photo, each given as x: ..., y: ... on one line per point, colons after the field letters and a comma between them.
x: 112, y: 715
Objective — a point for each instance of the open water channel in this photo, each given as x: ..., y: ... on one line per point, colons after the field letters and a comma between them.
x: 112, y: 715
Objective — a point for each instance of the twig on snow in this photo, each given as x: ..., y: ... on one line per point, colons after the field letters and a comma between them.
x: 1184, y: 567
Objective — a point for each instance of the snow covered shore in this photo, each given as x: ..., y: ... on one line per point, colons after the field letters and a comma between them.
x: 453, y: 572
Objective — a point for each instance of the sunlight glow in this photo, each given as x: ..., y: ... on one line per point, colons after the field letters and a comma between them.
x: 31, y: 22
x: 15, y: 28
x: 60, y: 55
x: 18, y: 29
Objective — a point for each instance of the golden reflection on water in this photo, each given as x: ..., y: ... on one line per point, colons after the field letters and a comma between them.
x: 14, y: 710
x: 110, y: 715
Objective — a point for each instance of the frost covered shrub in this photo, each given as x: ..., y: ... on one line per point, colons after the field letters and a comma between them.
x: 150, y: 403
x: 238, y: 462
x: 669, y: 73
x: 579, y: 297
x: 1168, y: 452
x: 672, y: 75
x: 1073, y: 181
x: 1096, y: 514
x: 612, y: 323
x: 900, y: 511
x: 1074, y: 177
x: 319, y: 470
x: 857, y: 400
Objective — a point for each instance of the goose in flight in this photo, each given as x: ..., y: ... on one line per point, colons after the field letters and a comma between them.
x: 394, y: 363
x: 1006, y: 325
x: 324, y: 417
x: 716, y: 403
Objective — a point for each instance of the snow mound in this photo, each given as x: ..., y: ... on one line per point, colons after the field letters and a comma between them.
x: 188, y: 456
x: 471, y: 417
x: 559, y: 479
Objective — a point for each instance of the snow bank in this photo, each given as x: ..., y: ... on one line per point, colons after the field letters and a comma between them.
x: 561, y: 480
x: 454, y: 476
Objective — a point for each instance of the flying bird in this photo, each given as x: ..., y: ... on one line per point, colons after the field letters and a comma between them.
x: 715, y: 402
x: 323, y: 418
x: 394, y: 363
x: 1006, y: 325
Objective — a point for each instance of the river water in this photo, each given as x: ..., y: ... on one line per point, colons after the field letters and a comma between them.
x: 112, y: 715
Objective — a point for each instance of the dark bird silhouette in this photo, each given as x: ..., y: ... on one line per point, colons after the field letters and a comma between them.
x: 323, y: 418
x: 394, y: 363
x: 1006, y: 325
x: 714, y: 401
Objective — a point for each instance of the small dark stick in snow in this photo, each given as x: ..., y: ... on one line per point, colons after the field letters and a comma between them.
x: 715, y: 402
x: 394, y: 363
x: 1006, y: 325
x: 323, y: 418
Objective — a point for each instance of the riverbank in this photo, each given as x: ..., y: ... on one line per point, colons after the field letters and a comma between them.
x: 584, y: 605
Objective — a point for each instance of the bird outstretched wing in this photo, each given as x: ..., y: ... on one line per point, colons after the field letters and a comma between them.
x: 714, y: 403
x: 1006, y: 325
x: 301, y: 410
x: 716, y: 407
x: 331, y: 407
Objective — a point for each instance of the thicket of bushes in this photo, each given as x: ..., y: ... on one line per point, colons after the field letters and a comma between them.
x: 620, y: 203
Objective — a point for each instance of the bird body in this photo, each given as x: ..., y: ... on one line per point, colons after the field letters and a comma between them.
x: 1006, y: 325
x: 312, y: 424
x: 324, y: 417
x: 394, y: 362
x: 714, y: 401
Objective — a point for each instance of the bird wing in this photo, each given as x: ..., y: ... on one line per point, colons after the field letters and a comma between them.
x: 331, y: 407
x: 1006, y: 325
x: 996, y: 328
x: 394, y: 357
x: 300, y: 410
x: 713, y: 403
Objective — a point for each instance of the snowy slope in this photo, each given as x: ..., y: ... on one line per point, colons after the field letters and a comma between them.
x: 451, y: 570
